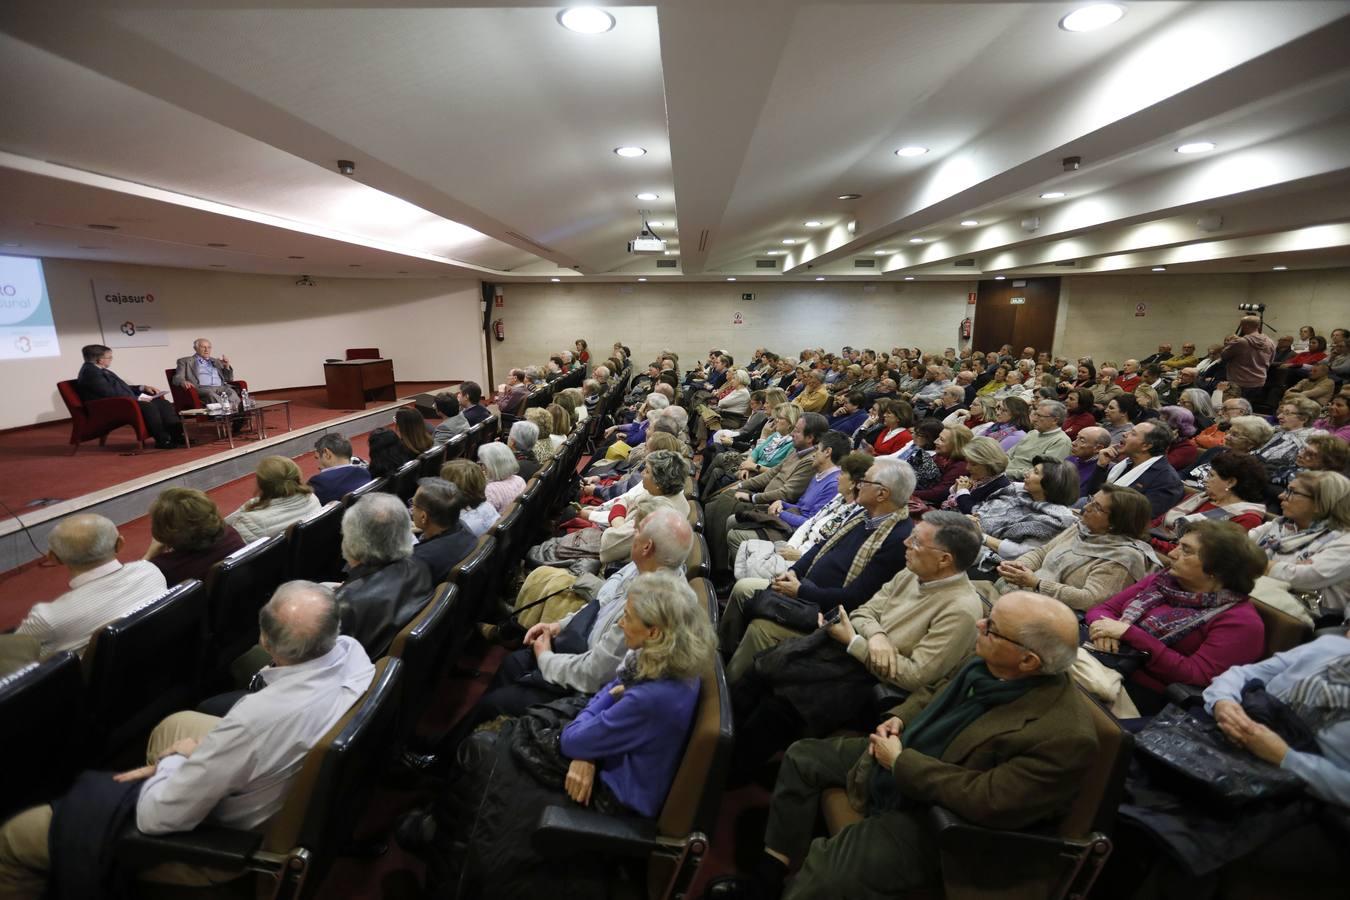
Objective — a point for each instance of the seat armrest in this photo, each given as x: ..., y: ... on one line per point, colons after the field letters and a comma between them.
x: 1185, y: 695
x: 221, y: 848
x: 956, y: 834
x: 562, y: 831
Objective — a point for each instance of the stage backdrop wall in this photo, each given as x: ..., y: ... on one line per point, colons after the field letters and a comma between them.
x: 276, y: 334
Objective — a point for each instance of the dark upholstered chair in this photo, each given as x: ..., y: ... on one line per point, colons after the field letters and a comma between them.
x: 42, y: 711
x: 423, y: 646
x: 96, y: 418
x: 696, y: 564
x: 237, y: 587
x: 185, y: 396
x: 316, y: 545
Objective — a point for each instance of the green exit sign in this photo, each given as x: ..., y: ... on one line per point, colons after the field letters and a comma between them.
x: 1018, y: 301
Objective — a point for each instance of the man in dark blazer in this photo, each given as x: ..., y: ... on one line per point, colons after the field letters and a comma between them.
x: 1005, y: 743
x: 339, y: 474
x: 211, y: 376
x: 1140, y: 462
x: 97, y: 382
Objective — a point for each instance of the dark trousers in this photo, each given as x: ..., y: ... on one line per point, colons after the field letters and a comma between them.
x: 506, y: 696
x: 765, y: 724
x: 162, y: 420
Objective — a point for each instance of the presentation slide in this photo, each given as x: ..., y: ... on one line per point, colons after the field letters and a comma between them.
x: 26, y: 328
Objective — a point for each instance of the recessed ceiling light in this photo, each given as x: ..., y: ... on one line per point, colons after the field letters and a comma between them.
x: 909, y: 277
x: 1278, y: 268
x: 886, y: 252
x: 217, y: 245
x: 813, y: 224
x: 849, y: 196
x: 657, y: 224
x: 642, y: 279
x: 295, y: 257
x: 789, y: 240
x: 648, y: 195
x: 1160, y: 268
x: 911, y: 151
x: 1196, y: 147
x: 555, y: 279
x: 916, y: 240
x: 1052, y: 195
x: 585, y: 20
x: 630, y: 152
x: 672, y: 253
x: 1092, y: 17
x: 820, y: 278
x: 731, y: 278
x: 774, y: 252
x: 1000, y: 277
x: 970, y: 223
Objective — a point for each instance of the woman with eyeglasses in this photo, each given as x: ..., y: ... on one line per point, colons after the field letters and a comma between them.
x: 1193, y: 621
x: 1280, y: 454
x: 1234, y: 491
x: 1244, y: 434
x: 1309, y: 545
x: 1011, y: 422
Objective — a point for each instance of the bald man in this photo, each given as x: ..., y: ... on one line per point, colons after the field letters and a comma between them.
x: 1004, y: 744
x: 235, y: 771
x: 101, y: 589
x: 1248, y: 355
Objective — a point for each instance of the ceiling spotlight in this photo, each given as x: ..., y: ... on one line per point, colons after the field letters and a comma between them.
x: 1160, y: 268
x: 642, y: 279
x: 789, y: 240
x: 911, y: 151
x: 648, y: 195
x: 657, y: 224
x: 731, y: 278
x: 774, y: 252
x: 885, y: 252
x: 345, y: 167
x: 1000, y: 277
x: 1196, y: 147
x: 970, y: 223
x: 820, y: 278
x: 1092, y: 17
x: 1278, y: 268
x: 585, y: 20
x: 909, y: 277
x: 849, y: 196
x: 916, y: 240
x: 1052, y: 195
x: 630, y: 152
x: 672, y: 253
x: 555, y: 279
x: 813, y: 224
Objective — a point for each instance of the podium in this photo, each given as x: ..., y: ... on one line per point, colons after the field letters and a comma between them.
x: 355, y: 382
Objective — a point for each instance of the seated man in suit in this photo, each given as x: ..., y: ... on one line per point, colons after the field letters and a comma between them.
x: 97, y: 382
x: 101, y: 590
x: 1004, y: 744
x: 443, y: 541
x: 339, y: 473
x: 233, y: 772
x: 210, y: 376
x: 470, y: 399
x: 1140, y: 461
x: 386, y: 586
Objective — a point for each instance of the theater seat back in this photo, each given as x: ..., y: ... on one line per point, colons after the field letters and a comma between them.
x: 696, y: 793
x: 422, y: 645
x: 1095, y: 804
x: 237, y: 587
x: 42, y: 723
x: 1283, y: 631
x: 697, y: 564
x: 316, y: 545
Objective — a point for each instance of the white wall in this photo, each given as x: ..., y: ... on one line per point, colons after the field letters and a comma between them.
x: 276, y: 334
x: 1097, y: 312
x: 693, y: 318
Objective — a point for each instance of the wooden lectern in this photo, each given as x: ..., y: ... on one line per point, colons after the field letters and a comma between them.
x: 355, y: 382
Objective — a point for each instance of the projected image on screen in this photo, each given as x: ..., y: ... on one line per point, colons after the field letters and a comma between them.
x: 26, y: 328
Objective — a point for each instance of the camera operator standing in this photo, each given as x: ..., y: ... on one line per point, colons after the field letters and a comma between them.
x: 1248, y: 354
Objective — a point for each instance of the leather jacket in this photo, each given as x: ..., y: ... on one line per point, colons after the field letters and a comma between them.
x: 377, y: 601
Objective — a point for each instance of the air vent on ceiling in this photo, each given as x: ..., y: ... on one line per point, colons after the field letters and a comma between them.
x: 766, y: 264
x: 965, y: 262
x: 1068, y: 262
x: 864, y: 264
x: 533, y: 243
x: 667, y: 263
x: 703, y: 241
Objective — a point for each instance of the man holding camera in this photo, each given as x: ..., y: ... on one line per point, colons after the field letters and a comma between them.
x: 1248, y: 354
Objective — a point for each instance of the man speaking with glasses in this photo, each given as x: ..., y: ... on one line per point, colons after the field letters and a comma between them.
x: 1004, y: 744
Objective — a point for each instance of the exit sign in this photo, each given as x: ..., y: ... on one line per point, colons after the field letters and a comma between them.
x: 1018, y: 301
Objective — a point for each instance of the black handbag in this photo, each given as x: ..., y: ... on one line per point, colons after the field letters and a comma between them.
x: 1126, y: 661
x: 790, y: 612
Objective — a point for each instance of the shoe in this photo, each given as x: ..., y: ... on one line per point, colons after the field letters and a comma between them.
x: 733, y: 887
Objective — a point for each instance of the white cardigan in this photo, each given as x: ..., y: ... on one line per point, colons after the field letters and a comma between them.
x: 274, y: 518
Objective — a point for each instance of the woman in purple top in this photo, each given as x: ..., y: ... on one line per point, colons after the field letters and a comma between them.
x: 831, y: 448
x: 1194, y: 621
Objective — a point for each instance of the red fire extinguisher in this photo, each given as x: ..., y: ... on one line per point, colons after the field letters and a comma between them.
x: 499, y: 330
x: 965, y: 329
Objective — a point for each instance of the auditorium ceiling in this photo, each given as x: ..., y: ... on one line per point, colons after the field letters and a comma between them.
x: 207, y: 134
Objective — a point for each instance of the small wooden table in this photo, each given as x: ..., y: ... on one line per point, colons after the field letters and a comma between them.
x: 224, y: 422
x: 355, y: 382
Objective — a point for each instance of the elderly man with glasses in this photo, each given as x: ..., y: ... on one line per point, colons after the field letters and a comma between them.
x: 1048, y: 440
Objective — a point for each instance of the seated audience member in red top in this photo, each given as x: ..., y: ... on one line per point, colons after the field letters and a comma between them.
x: 1234, y: 491
x: 951, y: 463
x: 1129, y: 377
x: 1194, y: 621
x: 1078, y: 402
x: 897, y: 417
x: 188, y: 535
x: 1183, y: 451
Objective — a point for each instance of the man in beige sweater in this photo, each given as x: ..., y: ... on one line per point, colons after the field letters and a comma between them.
x: 915, y: 632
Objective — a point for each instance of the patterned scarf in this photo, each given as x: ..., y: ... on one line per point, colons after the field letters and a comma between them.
x: 1299, y: 542
x: 869, y: 547
x: 1323, y: 699
x: 1169, y: 612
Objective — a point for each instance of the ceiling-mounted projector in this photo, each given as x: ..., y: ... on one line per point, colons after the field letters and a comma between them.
x: 646, y: 241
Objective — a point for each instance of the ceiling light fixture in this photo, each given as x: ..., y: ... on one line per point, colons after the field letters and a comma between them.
x: 648, y: 195
x: 1092, y: 17
x: 1160, y: 268
x: 885, y: 252
x: 789, y: 240
x: 1196, y: 147
x: 820, y: 278
x: 970, y: 223
x: 657, y: 224
x: 1052, y: 195
x: 813, y: 223
x: 555, y: 279
x: 1000, y: 277
x: 850, y: 196
x: 909, y: 277
x: 916, y: 240
x: 731, y: 278
x: 774, y: 252
x: 585, y: 20
x: 911, y: 151
x: 642, y: 279
x: 672, y: 253
x: 1278, y: 268
x: 630, y: 152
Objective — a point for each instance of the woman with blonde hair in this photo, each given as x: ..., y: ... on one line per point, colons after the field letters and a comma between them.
x: 282, y: 497
x: 546, y: 446
x: 950, y: 458
x: 562, y: 421
x: 1309, y: 545
x: 478, y: 514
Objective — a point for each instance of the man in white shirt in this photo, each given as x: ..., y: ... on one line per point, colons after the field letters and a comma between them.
x: 101, y: 588
x: 234, y: 771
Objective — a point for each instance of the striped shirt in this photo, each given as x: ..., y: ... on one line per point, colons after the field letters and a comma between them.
x: 95, y: 598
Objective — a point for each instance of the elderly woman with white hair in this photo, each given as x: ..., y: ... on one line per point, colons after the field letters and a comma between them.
x: 500, y: 467
x: 1309, y: 544
x: 386, y: 585
x: 521, y: 440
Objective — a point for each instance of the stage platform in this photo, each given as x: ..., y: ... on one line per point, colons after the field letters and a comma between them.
x: 39, y: 466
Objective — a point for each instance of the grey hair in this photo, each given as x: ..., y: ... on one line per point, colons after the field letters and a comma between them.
x: 1202, y: 403
x: 669, y: 531
x: 1058, y: 411
x: 1158, y: 437
x: 896, y: 476
x: 984, y: 451
x: 1243, y: 403
x: 292, y: 637
x: 441, y: 500
x: 1254, y: 428
x: 525, y: 435
x: 956, y: 534
x: 1056, y: 656
x: 678, y: 413
x: 377, y: 529
x: 83, y: 540
x: 669, y: 471
x: 498, y: 461
x: 657, y: 401
x: 686, y: 643
x: 954, y: 391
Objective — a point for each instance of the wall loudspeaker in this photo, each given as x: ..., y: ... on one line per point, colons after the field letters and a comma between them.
x: 1209, y: 221
x: 1031, y: 223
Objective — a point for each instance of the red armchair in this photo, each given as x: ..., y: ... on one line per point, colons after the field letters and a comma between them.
x: 96, y: 418
x: 363, y: 352
x: 185, y: 396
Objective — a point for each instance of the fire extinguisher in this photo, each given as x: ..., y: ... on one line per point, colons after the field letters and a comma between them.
x: 965, y: 329
x: 499, y: 330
